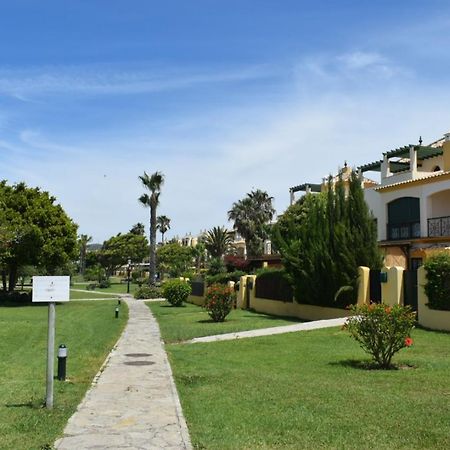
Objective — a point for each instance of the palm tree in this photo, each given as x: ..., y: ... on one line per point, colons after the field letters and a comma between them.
x: 83, y: 241
x: 138, y: 229
x: 163, y: 225
x: 153, y: 183
x: 218, y: 241
x: 251, y: 215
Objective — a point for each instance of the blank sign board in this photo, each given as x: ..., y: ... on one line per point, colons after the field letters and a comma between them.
x: 51, y: 289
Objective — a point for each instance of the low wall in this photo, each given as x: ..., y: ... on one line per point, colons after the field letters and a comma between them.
x: 430, y: 318
x: 307, y: 312
x: 196, y: 300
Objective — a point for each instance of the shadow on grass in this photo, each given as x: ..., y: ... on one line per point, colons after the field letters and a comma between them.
x: 32, y: 404
x: 369, y: 365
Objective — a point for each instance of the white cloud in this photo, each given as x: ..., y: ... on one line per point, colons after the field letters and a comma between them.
x: 93, y: 80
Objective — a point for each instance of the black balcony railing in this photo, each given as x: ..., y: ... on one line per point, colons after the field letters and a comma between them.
x: 399, y: 231
x: 439, y: 226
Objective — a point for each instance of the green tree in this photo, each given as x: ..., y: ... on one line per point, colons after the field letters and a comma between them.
x: 218, y: 241
x: 118, y: 249
x: 153, y: 184
x: 251, y: 217
x: 36, y: 232
x: 323, y: 239
x: 174, y: 259
x: 163, y: 225
x: 83, y: 241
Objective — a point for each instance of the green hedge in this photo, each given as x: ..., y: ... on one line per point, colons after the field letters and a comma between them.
x: 224, y: 278
x: 437, y: 287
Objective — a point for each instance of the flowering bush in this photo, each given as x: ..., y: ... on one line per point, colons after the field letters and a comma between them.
x: 176, y: 292
x: 381, y: 330
x: 219, y: 300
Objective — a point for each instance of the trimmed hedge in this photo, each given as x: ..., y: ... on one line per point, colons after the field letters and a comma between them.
x: 176, y: 292
x: 273, y: 284
x: 437, y: 287
x: 224, y: 278
x: 145, y: 292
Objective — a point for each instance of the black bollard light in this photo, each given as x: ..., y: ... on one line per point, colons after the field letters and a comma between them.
x: 62, y: 359
x: 117, y: 312
x: 118, y: 302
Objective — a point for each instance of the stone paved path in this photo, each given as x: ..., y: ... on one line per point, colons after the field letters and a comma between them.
x: 314, y: 325
x: 134, y: 403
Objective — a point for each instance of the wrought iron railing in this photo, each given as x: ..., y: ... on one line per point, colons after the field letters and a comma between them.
x: 399, y: 231
x: 439, y: 226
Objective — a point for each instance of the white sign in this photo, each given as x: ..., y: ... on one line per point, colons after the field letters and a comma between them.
x: 51, y: 289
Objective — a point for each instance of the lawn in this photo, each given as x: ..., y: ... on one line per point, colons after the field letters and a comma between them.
x: 307, y: 390
x: 189, y: 321
x: 75, y: 295
x: 115, y: 288
x: 89, y: 330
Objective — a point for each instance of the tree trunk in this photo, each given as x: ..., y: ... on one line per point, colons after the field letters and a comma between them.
x: 5, y: 287
x: 12, y: 278
x: 152, y: 262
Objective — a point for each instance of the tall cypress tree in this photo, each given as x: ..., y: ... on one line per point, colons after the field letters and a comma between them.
x: 324, y: 239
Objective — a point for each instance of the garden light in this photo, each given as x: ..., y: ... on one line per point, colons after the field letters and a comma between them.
x: 62, y: 359
x: 117, y: 312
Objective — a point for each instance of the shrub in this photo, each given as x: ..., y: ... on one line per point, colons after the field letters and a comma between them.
x: 176, y: 291
x: 219, y: 301
x: 91, y: 286
x: 15, y: 297
x: 224, y: 278
x: 104, y: 284
x: 145, y: 292
x: 381, y: 330
x: 437, y: 287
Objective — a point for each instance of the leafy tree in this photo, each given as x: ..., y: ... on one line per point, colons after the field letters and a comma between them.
x: 117, y: 250
x: 153, y: 184
x: 251, y: 217
x: 199, y: 255
x: 323, y: 239
x: 163, y: 225
x: 36, y: 232
x: 218, y: 241
x: 138, y: 228
x: 174, y: 258
x: 83, y: 241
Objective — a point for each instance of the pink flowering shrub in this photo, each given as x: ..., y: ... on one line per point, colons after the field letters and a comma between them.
x: 381, y: 330
x: 219, y: 301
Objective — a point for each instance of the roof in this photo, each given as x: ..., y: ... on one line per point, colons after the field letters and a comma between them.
x: 302, y: 187
x: 420, y: 180
x: 423, y: 152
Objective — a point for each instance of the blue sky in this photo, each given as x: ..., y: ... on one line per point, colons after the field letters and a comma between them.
x: 221, y: 96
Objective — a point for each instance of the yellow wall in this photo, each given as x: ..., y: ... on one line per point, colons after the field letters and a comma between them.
x: 196, y: 300
x: 392, y: 291
x: 307, y: 312
x: 446, y: 150
x: 430, y: 318
x: 363, y: 285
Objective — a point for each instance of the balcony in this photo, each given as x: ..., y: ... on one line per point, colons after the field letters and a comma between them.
x: 400, y: 231
x: 439, y: 226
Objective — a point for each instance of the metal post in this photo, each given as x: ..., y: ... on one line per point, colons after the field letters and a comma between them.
x: 128, y: 275
x: 50, y: 354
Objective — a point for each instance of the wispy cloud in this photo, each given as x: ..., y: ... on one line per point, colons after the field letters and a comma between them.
x: 92, y: 80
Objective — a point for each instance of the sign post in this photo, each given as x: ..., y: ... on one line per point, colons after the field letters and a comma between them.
x: 51, y: 290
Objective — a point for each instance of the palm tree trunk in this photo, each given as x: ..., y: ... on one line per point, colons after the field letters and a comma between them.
x: 162, y: 237
x: 152, y: 262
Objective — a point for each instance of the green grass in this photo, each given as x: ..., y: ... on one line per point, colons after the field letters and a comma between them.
x: 115, y: 288
x: 89, y: 330
x: 306, y: 390
x: 74, y: 295
x: 189, y: 321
